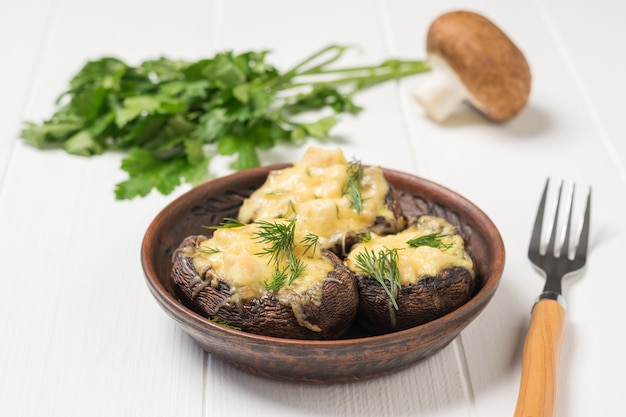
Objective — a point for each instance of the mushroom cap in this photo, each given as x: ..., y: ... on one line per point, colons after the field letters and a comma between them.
x: 493, y: 70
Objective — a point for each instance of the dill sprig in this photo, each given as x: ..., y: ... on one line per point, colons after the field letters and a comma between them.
x: 277, y: 193
x: 279, y: 278
x: 352, y: 187
x: 279, y: 238
x: 291, y: 210
x: 383, y: 267
x: 221, y: 322
x: 296, y: 267
x: 310, y: 243
x: 209, y: 251
x: 227, y: 223
x: 434, y: 240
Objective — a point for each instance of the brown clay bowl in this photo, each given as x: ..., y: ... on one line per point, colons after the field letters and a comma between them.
x: 356, y: 357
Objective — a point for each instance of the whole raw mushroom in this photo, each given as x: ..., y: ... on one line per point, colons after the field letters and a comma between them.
x: 472, y: 59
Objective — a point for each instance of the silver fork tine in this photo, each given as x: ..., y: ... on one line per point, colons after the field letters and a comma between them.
x: 566, y: 244
x: 583, y: 241
x: 552, y: 241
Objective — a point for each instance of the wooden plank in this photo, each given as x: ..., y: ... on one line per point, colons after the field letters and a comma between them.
x: 429, y: 388
x: 26, y: 23
x: 558, y: 135
x: 433, y: 387
x: 586, y: 34
x: 85, y: 337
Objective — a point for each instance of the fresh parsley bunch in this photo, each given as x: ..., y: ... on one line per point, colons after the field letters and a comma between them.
x: 165, y: 112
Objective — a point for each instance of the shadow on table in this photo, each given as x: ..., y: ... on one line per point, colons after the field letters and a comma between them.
x: 532, y: 121
x: 445, y: 384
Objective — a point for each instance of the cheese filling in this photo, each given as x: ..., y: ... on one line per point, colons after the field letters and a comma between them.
x: 314, y: 196
x: 417, y: 262
x: 314, y: 190
x: 237, y: 257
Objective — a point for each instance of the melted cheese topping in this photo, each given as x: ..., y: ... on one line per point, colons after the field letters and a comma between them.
x: 312, y: 190
x: 414, y: 263
x: 233, y: 255
x: 313, y: 193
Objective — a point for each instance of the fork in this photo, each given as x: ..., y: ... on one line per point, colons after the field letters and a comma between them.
x: 540, y: 358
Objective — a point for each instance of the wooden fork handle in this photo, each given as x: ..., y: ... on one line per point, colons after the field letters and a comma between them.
x: 540, y: 360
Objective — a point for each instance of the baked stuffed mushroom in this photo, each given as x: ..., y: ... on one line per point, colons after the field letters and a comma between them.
x: 337, y: 200
x: 412, y: 277
x: 318, y: 244
x: 266, y: 278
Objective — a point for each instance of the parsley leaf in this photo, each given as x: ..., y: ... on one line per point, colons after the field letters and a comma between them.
x: 163, y: 112
x: 147, y: 171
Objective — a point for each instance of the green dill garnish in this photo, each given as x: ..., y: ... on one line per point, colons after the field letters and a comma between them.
x: 279, y: 277
x: 383, y: 267
x: 433, y: 240
x: 209, y: 251
x: 276, y: 193
x: 227, y: 223
x: 221, y: 322
x: 278, y: 236
x: 296, y: 267
x: 280, y: 245
x: 291, y: 209
x: 310, y: 243
x: 367, y: 236
x: 352, y: 187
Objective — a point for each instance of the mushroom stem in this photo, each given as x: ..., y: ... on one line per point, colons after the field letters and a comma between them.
x: 440, y: 92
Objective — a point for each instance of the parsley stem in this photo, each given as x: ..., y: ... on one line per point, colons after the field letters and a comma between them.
x: 371, y: 76
x: 338, y: 52
x: 364, y: 76
x: 389, y: 64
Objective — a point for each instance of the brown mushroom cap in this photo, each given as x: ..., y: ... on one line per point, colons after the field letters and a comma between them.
x: 333, y: 313
x: 430, y: 298
x: 494, y: 71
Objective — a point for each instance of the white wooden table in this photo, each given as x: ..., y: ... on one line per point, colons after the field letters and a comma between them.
x: 80, y: 335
